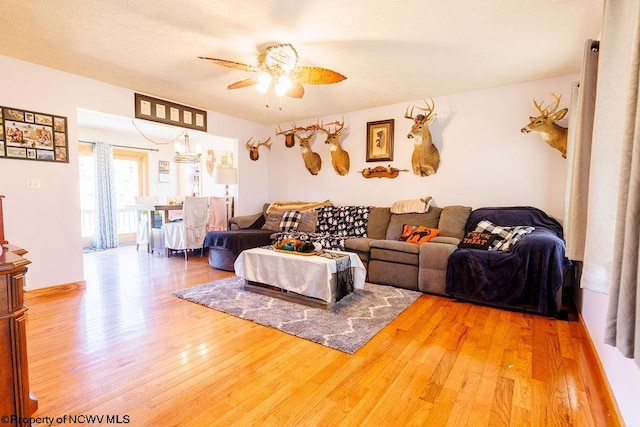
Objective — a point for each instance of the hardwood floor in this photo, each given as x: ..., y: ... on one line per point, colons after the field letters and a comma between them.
x: 125, y: 346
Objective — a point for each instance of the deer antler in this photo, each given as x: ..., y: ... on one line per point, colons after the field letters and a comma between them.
x: 286, y: 132
x: 429, y: 110
x: 249, y: 143
x: 265, y: 143
x: 336, y: 123
x: 545, y: 112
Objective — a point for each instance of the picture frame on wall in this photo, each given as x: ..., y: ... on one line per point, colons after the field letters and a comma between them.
x: 161, y: 111
x: 163, y: 171
x: 380, y: 141
x: 30, y: 135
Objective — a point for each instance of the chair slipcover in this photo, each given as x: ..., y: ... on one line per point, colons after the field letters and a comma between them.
x: 190, y: 233
x: 217, y: 214
x: 142, y: 229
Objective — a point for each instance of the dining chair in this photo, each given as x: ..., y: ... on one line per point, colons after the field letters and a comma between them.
x: 189, y: 233
x: 142, y: 228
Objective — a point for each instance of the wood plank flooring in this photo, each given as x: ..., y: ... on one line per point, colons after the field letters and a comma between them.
x: 125, y: 346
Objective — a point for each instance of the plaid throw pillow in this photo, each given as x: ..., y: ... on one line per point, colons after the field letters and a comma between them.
x: 506, y: 237
x: 290, y: 220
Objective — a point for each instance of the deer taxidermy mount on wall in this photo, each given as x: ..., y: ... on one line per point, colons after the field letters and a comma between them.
x: 552, y: 133
x: 289, y: 137
x: 312, y: 160
x: 254, y: 153
x: 339, y: 157
x: 425, y: 159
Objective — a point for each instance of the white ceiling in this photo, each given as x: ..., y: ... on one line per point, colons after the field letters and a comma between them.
x: 391, y: 51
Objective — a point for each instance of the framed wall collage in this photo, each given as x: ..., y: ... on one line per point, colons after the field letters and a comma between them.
x: 29, y: 135
x: 170, y: 113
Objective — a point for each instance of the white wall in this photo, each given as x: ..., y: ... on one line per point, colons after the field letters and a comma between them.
x: 47, y: 221
x: 485, y: 160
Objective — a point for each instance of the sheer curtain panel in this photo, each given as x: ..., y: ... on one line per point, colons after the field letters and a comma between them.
x: 623, y: 316
x: 106, y: 233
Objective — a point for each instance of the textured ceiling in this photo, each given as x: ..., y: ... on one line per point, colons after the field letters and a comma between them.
x: 390, y: 51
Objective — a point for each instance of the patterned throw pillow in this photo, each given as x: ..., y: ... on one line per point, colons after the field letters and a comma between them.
x: 290, y: 220
x: 418, y: 234
x: 506, y: 237
x: 477, y: 240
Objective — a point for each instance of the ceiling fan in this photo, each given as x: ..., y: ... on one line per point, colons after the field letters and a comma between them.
x: 278, y: 66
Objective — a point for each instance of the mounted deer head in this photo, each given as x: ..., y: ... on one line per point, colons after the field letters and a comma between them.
x: 425, y: 159
x: 312, y: 160
x: 254, y: 154
x: 552, y: 134
x: 289, y: 139
x: 339, y: 157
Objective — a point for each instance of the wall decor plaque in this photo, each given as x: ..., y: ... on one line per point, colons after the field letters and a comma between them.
x: 29, y: 135
x: 170, y: 113
x: 380, y: 141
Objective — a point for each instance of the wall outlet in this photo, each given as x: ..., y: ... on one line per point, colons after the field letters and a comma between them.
x: 33, y: 183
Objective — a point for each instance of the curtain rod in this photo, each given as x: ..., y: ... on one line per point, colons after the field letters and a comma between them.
x: 122, y: 146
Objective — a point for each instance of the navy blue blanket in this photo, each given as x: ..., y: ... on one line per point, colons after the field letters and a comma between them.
x: 238, y: 240
x: 529, y: 275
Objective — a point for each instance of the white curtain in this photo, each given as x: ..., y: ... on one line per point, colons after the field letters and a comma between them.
x: 106, y: 232
x: 583, y: 101
x: 623, y: 318
x: 614, y: 70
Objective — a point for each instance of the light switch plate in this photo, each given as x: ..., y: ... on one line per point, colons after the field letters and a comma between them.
x: 33, y: 184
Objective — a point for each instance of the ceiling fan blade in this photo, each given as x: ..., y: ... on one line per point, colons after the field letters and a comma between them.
x: 231, y: 64
x: 243, y: 83
x: 296, y: 91
x: 316, y: 76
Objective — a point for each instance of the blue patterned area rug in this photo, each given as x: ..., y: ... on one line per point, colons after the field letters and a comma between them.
x: 346, y: 325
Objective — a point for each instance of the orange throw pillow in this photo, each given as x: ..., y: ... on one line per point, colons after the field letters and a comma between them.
x: 418, y: 234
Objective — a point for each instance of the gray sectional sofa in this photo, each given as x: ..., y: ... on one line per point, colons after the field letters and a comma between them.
x: 376, y: 239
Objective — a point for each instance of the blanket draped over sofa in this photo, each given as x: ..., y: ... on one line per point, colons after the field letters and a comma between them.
x: 529, y: 275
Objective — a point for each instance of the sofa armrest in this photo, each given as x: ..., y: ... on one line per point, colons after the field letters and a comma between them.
x: 247, y: 221
x: 434, y: 257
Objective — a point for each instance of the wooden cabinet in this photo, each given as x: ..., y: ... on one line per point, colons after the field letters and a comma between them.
x: 17, y: 403
x: 15, y: 396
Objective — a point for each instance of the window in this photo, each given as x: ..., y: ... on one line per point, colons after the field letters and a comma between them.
x: 131, y: 172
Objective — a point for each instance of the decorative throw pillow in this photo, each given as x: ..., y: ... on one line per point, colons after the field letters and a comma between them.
x: 418, y: 234
x: 308, y: 222
x: 506, y: 237
x: 477, y: 240
x: 411, y: 206
x: 407, y: 229
x: 273, y: 221
x: 290, y: 220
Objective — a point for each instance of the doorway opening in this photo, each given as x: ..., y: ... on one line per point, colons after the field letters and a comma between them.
x: 131, y: 172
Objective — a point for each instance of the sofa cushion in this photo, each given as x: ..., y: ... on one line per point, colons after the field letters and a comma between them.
x: 358, y: 244
x: 290, y: 221
x: 378, y: 222
x: 453, y: 221
x: 428, y: 219
x: 273, y: 221
x: 395, y: 252
x: 396, y: 245
x: 308, y: 222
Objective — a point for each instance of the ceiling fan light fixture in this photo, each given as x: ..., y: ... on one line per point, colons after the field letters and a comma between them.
x: 264, y: 80
x: 283, y: 85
